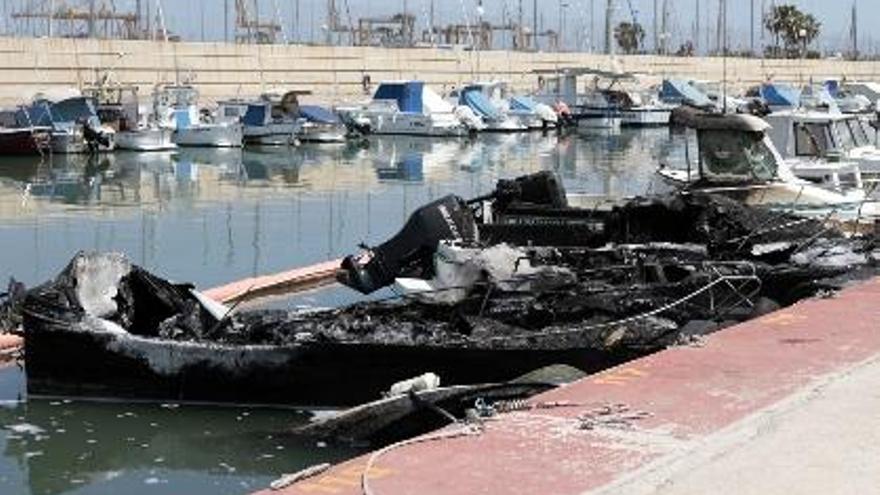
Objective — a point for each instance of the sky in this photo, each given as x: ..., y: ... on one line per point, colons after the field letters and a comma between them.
x: 204, y: 19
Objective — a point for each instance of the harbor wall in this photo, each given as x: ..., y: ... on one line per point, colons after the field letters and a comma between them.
x: 335, y: 73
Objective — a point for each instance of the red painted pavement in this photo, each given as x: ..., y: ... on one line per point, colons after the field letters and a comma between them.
x: 687, y: 393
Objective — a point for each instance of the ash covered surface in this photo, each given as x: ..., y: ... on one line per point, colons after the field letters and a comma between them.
x: 651, y: 273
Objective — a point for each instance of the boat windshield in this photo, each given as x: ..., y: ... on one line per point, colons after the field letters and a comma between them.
x: 843, y: 136
x: 857, y: 128
x: 812, y: 139
x: 735, y: 155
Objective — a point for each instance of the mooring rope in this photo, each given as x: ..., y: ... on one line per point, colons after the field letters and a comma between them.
x: 648, y: 314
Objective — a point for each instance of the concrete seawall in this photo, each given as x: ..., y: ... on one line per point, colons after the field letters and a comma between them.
x: 335, y: 73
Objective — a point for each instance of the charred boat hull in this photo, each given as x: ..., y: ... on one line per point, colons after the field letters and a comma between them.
x: 97, y: 365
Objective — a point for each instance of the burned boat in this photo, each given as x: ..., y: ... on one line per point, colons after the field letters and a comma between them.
x: 490, y: 288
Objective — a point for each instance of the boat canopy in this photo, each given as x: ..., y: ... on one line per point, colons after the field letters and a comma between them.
x: 721, y: 122
x: 408, y: 95
x: 780, y: 95
x: 682, y: 92
x: 318, y: 114
x: 255, y: 115
x: 522, y: 103
x: 47, y: 113
x: 473, y: 97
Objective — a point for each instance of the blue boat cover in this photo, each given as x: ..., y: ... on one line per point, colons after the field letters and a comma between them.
x: 73, y: 109
x: 522, y: 103
x: 46, y: 113
x: 833, y: 87
x: 321, y: 115
x: 407, y: 94
x: 473, y: 97
x: 255, y: 116
x: 38, y: 114
x: 781, y: 95
x: 680, y: 91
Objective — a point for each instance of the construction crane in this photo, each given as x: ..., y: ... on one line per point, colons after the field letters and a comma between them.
x: 78, y: 19
x: 249, y: 28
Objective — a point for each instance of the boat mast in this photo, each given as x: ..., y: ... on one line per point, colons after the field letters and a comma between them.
x: 535, y: 23
x: 855, y: 31
x: 609, y: 8
x: 752, y: 27
x: 656, y: 33
x: 664, y: 28
x: 697, y: 28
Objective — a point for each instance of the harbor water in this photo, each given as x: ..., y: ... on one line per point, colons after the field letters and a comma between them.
x: 215, y: 216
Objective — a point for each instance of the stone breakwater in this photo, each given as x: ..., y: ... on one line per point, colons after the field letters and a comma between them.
x: 337, y: 74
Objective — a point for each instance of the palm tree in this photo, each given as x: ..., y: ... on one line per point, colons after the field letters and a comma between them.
x: 629, y: 36
x: 796, y: 29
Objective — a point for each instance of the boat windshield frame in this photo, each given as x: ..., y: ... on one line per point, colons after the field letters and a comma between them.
x: 839, y: 135
x: 749, y: 156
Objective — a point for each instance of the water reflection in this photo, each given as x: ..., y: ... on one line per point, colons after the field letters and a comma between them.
x: 66, y: 446
x: 211, y: 215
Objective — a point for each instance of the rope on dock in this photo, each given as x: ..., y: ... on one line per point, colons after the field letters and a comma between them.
x: 465, y: 430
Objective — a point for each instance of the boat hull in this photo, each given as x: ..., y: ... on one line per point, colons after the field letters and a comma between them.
x: 73, y: 142
x: 405, y: 124
x: 270, y: 135
x: 24, y: 141
x: 102, y: 365
x: 599, y: 122
x: 210, y: 136
x: 636, y: 117
x: 146, y: 140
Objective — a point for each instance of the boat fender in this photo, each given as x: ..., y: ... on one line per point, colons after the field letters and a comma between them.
x: 427, y: 381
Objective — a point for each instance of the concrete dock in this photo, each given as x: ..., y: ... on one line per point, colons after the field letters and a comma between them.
x: 785, y: 403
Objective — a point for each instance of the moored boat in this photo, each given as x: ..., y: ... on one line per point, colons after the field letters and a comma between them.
x: 24, y: 140
x: 405, y: 108
x: 192, y: 127
x: 495, y: 286
x: 737, y: 158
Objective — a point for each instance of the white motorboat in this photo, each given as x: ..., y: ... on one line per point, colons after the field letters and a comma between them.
x: 137, y: 129
x: 406, y: 108
x: 600, y: 101
x: 737, y: 158
x: 495, y: 118
x: 812, y: 139
x: 523, y: 110
x: 269, y: 121
x: 320, y: 125
x: 192, y: 127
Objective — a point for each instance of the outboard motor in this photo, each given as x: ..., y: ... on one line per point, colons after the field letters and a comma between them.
x: 356, y: 125
x: 411, y: 251
x: 539, y: 190
x: 94, y: 137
